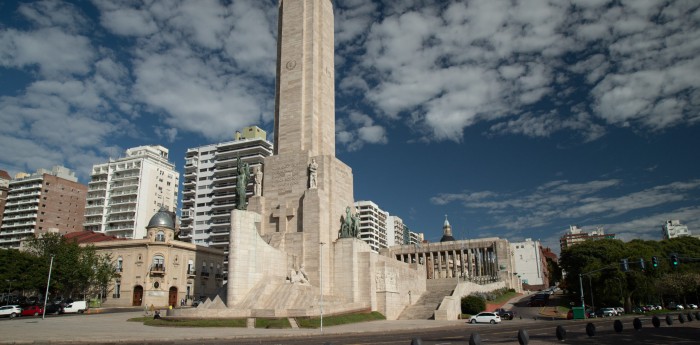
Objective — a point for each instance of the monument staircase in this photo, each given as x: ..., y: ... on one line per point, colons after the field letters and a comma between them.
x: 424, y: 309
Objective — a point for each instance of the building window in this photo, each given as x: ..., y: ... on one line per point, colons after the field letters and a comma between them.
x: 158, y: 263
x: 160, y: 236
x: 120, y: 262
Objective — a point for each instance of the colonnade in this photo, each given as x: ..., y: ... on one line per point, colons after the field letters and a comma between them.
x: 474, y: 264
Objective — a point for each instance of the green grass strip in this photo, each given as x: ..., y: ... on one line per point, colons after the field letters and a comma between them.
x: 272, y: 323
x: 315, y: 322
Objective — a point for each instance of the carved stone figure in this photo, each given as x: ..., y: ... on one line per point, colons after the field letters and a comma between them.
x: 298, y: 276
x: 313, y: 168
x: 242, y: 183
x: 257, y: 179
x: 351, y: 225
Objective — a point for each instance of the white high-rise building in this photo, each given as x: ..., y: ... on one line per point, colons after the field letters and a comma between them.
x: 125, y: 193
x: 373, y: 227
x: 394, y: 230
x: 674, y: 228
x: 209, y: 192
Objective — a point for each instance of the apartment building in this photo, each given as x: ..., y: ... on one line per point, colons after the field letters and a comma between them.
x: 124, y: 193
x: 373, y: 228
x: 577, y: 235
x: 4, y: 189
x: 209, y: 192
x: 45, y: 201
x: 673, y: 229
x: 530, y: 264
x: 395, y: 230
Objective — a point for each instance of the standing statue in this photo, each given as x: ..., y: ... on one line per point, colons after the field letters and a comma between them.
x: 350, y: 226
x: 242, y: 183
x: 313, y: 167
x: 257, y: 179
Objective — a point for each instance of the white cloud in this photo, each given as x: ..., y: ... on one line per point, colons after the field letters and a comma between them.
x: 357, y: 130
x: 444, y: 67
x: 558, y: 201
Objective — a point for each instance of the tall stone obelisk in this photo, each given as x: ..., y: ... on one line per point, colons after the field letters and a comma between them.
x: 306, y: 189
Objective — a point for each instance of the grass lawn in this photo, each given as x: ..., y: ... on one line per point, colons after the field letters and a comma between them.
x: 504, y: 298
x: 315, y: 322
x: 149, y: 321
x: 272, y: 323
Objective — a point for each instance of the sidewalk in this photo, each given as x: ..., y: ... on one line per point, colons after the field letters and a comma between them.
x: 113, y: 328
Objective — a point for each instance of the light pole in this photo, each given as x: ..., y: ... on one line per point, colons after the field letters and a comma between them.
x: 580, y: 283
x: 46, y: 296
x: 321, y: 283
x: 590, y: 286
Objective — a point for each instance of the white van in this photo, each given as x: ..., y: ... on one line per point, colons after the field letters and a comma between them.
x: 76, y: 307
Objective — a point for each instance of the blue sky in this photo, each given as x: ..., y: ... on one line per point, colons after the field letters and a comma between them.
x: 514, y: 118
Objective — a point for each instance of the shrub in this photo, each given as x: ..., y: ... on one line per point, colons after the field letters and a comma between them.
x: 473, y: 304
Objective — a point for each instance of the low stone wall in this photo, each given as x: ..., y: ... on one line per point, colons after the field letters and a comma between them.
x: 451, y: 306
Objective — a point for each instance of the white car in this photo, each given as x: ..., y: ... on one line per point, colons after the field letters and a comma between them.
x: 10, y: 310
x: 692, y: 306
x: 76, y: 307
x: 485, y: 317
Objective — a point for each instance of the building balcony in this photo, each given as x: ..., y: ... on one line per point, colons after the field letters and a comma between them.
x: 122, y: 202
x: 91, y: 222
x: 15, y: 225
x: 22, y: 202
x: 24, y: 187
x: 13, y: 217
x: 191, y: 273
x: 157, y: 269
x: 25, y: 195
x: 117, y: 228
x: 125, y: 177
x: 115, y: 211
x: 31, y: 209
x: 205, y: 274
x: 219, y: 276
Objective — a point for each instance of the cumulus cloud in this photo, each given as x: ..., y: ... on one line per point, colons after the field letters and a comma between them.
x: 442, y: 67
x: 562, y: 200
x: 359, y: 129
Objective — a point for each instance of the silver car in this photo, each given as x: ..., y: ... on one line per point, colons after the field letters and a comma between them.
x: 485, y: 317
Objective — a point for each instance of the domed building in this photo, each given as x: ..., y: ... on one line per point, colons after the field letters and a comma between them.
x: 159, y: 270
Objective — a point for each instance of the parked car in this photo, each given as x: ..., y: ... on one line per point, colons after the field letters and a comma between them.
x: 76, y: 307
x: 606, y: 312
x: 32, y: 310
x: 692, y: 306
x: 54, y: 309
x: 590, y: 313
x: 485, y: 317
x: 10, y: 310
x: 619, y: 311
x: 504, y: 314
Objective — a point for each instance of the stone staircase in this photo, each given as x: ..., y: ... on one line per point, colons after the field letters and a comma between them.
x: 424, y: 308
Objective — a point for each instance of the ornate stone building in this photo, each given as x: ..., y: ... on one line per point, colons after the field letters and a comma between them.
x: 159, y: 270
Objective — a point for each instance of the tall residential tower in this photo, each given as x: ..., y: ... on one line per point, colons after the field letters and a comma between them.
x: 124, y: 193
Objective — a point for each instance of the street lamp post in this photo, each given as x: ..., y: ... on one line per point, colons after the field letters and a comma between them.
x: 590, y: 286
x: 46, y: 296
x: 580, y: 283
x: 321, y: 283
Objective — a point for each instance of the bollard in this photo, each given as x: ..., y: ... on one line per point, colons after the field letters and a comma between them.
x: 617, y: 325
x: 475, y: 339
x: 523, y: 337
x: 681, y: 318
x: 590, y: 329
x: 669, y: 320
x: 637, y: 323
x: 416, y: 341
x: 655, y: 321
x: 690, y: 316
x: 561, y: 333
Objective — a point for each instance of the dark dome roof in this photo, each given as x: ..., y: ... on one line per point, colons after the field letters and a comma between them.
x: 447, y: 238
x: 162, y: 219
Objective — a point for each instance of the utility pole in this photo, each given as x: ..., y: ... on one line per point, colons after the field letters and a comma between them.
x: 46, y: 296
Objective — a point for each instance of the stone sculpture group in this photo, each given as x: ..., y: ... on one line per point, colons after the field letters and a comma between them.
x: 351, y: 225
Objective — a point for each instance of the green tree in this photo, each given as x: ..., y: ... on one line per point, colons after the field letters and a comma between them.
x: 473, y: 304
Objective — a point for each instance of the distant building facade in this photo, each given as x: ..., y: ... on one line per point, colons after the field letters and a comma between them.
x: 530, y: 264
x: 373, y: 227
x: 124, y: 193
x: 577, y: 235
x: 394, y: 230
x: 209, y: 192
x: 159, y: 270
x: 45, y: 201
x: 673, y: 229
x: 4, y: 189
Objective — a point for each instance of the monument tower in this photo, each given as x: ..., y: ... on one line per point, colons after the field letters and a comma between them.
x: 306, y: 189
x: 286, y: 254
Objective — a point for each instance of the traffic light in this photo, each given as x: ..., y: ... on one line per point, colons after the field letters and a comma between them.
x: 624, y: 265
x: 642, y: 265
x: 674, y: 260
x: 654, y: 262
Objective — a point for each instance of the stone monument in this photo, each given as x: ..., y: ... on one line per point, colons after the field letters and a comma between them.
x: 285, y: 250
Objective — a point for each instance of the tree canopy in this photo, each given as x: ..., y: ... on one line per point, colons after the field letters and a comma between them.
x: 77, y: 271
x: 599, y: 263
